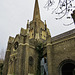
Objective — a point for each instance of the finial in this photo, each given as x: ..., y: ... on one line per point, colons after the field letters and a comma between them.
x: 45, y: 22
x: 45, y: 25
x: 27, y: 24
x: 27, y: 21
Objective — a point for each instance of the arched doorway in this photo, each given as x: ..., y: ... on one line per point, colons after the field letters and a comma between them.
x: 67, y: 67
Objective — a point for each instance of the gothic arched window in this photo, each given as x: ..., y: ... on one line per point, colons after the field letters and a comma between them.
x: 30, y: 61
x: 16, y: 45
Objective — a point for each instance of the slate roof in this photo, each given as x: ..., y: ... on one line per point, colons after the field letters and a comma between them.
x: 68, y: 33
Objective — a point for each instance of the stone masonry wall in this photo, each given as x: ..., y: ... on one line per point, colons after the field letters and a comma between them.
x: 62, y: 50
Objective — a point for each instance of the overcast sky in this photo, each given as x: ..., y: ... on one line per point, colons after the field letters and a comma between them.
x: 15, y: 13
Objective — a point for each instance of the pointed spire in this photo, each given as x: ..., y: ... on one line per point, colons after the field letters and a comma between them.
x: 36, y: 11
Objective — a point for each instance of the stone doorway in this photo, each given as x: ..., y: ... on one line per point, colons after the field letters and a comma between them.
x: 68, y: 68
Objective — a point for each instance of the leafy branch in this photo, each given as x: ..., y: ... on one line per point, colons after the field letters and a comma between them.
x: 39, y: 49
x: 64, y: 8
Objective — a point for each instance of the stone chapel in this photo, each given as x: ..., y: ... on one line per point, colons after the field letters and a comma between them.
x: 57, y: 53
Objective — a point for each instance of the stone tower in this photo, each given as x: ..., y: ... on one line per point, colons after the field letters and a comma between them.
x: 21, y: 57
x: 58, y: 52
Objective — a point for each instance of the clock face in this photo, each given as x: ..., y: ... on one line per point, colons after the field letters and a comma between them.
x: 16, y: 45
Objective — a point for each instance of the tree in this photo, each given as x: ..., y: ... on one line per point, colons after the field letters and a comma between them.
x: 73, y: 16
x: 63, y: 8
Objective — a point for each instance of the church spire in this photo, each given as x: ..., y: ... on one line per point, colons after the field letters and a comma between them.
x: 36, y: 11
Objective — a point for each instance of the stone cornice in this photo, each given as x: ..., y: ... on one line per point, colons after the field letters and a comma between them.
x: 48, y: 44
x: 26, y: 44
x: 63, y: 40
x: 32, y: 46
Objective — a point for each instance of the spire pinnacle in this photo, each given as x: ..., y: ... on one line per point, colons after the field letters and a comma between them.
x: 36, y: 11
x: 27, y: 24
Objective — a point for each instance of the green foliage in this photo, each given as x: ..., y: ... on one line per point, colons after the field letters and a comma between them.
x: 13, y: 74
x: 39, y: 49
